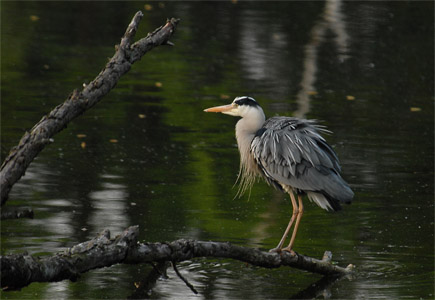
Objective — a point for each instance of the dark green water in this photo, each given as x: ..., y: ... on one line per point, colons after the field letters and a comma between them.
x: 173, y: 166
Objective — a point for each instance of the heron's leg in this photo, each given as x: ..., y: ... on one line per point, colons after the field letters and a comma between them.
x: 295, y: 213
x: 295, y: 230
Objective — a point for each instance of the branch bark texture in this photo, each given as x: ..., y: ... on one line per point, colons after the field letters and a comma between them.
x: 19, y: 270
x: 127, y: 53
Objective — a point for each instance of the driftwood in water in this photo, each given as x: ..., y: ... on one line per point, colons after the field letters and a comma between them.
x: 19, y: 270
x: 78, y: 102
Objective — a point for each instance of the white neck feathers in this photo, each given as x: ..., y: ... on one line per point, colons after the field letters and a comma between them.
x: 245, y: 133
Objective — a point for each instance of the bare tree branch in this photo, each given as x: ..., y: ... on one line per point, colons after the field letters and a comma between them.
x: 19, y: 270
x: 78, y: 102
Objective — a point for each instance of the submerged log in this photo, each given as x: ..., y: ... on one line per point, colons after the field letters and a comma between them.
x: 19, y: 270
x: 127, y: 53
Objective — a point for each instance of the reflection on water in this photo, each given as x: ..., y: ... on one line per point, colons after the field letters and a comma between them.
x: 173, y: 167
x: 109, y: 206
x: 58, y: 291
x: 333, y: 19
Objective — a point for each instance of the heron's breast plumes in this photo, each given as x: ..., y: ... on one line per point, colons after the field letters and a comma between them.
x: 249, y: 170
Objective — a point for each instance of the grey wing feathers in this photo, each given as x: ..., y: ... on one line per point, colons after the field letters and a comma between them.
x: 291, y: 151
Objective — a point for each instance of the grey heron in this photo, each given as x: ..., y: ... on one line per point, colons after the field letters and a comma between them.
x: 291, y: 155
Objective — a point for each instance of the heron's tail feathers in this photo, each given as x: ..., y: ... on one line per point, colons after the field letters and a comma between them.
x: 336, y: 191
x: 324, y: 202
x: 328, y: 203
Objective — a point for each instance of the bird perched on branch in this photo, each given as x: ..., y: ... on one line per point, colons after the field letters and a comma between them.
x: 291, y: 155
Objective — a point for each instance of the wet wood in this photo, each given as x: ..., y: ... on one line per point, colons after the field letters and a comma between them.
x: 127, y: 53
x: 19, y: 270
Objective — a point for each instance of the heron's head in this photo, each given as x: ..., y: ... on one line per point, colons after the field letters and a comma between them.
x: 240, y: 107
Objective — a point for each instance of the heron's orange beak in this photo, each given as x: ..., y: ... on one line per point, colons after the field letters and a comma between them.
x: 222, y: 108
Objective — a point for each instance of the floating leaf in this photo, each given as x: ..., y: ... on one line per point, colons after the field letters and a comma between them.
x: 158, y: 84
x: 83, y: 145
x: 46, y: 67
x: 137, y: 284
x: 34, y: 18
x: 350, y: 97
x: 161, y: 5
x: 81, y: 135
x: 312, y: 93
x: 113, y: 140
x: 276, y: 36
x: 225, y: 97
x: 142, y: 116
x: 148, y: 7
x: 414, y: 109
x: 84, y: 229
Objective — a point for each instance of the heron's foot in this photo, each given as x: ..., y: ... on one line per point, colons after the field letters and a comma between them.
x: 275, y: 250
x: 289, y: 250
